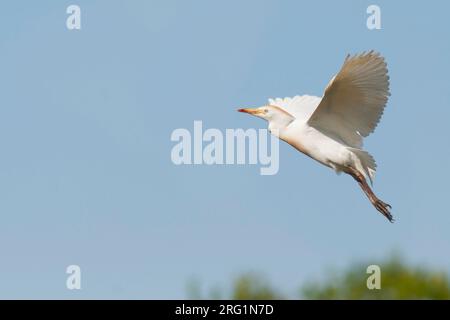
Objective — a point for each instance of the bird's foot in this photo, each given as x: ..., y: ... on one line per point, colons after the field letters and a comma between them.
x: 384, y: 208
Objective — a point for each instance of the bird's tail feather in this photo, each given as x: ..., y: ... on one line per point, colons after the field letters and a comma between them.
x: 366, y: 163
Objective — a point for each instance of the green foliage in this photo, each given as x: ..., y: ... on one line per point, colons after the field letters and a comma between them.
x: 398, y: 281
x: 250, y: 286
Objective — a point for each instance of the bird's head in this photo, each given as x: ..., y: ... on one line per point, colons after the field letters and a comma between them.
x: 268, y: 112
x: 277, y: 117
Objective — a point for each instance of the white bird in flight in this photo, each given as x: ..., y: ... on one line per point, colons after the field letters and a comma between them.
x: 331, y: 129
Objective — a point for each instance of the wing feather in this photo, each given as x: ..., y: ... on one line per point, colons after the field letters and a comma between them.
x: 354, y: 99
x: 301, y: 107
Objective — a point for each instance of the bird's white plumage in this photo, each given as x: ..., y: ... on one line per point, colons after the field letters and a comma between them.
x: 331, y: 129
x: 301, y: 107
x: 354, y: 100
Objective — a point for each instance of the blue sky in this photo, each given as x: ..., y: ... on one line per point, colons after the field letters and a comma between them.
x: 85, y: 121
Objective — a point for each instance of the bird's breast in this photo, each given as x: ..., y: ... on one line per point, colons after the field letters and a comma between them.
x: 311, y: 142
x: 296, y: 135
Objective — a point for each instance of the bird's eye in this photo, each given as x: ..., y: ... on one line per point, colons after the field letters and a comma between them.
x: 266, y: 110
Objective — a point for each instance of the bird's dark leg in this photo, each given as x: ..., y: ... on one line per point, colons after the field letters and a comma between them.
x: 377, y: 203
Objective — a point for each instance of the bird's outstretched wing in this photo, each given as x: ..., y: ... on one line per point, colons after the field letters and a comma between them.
x: 354, y: 99
x: 300, y: 107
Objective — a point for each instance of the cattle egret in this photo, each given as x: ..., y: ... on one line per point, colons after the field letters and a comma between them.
x: 331, y: 129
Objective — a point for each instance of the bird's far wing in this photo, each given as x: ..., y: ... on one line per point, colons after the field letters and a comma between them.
x: 301, y: 107
x: 354, y: 99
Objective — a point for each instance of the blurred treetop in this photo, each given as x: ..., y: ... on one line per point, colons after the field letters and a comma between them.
x: 398, y: 281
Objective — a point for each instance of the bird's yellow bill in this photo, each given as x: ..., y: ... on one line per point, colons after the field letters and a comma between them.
x: 250, y: 111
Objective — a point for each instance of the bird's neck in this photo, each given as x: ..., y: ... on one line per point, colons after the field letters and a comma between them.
x: 277, y: 125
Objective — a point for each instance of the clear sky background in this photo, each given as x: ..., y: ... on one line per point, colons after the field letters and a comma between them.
x: 85, y: 121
